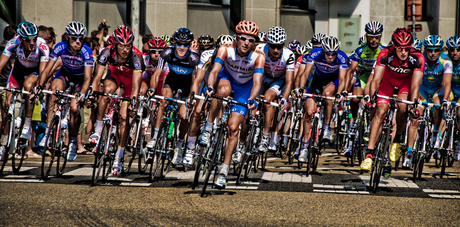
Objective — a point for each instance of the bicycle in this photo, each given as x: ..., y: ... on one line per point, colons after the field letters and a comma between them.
x: 57, y: 133
x: 381, y: 156
x: 213, y: 156
x: 357, y: 132
x: 137, y: 134
x: 163, y: 152
x: 422, y: 145
x: 447, y: 144
x: 316, y: 132
x: 106, y: 148
x: 13, y: 124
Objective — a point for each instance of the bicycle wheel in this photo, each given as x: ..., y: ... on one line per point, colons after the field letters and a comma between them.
x: 133, y: 148
x: 61, y: 159
x: 198, y: 160
x: 110, y: 158
x: 142, y: 161
x: 5, y: 123
x: 211, y: 162
x: 311, y: 145
x: 282, y: 148
x: 246, y: 162
x: 51, y: 146
x: 443, y: 162
x: 100, y: 155
x: 160, y: 149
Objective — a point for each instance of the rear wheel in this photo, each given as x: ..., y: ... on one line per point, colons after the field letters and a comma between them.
x: 311, y: 145
x: 198, y: 160
x: 130, y: 153
x: 5, y: 123
x: 52, y: 147
x: 210, y: 164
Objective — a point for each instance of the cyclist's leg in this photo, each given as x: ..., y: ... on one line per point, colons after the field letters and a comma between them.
x: 354, y: 103
x: 29, y: 84
x: 330, y: 90
x: 310, y: 108
x: 270, y: 119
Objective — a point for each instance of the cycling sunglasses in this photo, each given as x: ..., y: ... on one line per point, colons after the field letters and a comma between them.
x: 330, y: 53
x: 274, y: 46
x: 76, y: 37
x: 184, y: 45
x: 378, y: 36
x: 152, y: 51
x: 25, y: 39
x: 405, y: 48
x: 251, y: 40
x: 452, y: 49
x: 433, y: 50
x: 121, y: 46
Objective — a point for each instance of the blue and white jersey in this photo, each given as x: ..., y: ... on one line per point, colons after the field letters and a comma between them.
x: 277, y: 69
x: 74, y: 65
x: 432, y: 77
x: 322, y: 68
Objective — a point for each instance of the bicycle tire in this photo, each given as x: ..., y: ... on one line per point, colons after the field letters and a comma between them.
x: 163, y: 147
x: 100, y: 156
x: 198, y: 161
x: 157, y: 153
x: 282, y: 150
x: 443, y: 162
x: 51, y: 147
x: 17, y: 163
x: 311, y: 145
x: 211, y: 162
x: 6, y: 152
x: 142, y: 161
x: 110, y: 158
x: 61, y: 158
x: 245, y: 162
x: 133, y: 150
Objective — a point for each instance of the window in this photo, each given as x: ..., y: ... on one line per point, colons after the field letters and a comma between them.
x: 294, y: 4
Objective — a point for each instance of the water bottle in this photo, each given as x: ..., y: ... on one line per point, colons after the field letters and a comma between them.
x: 256, y: 135
x: 171, y: 130
x: 18, y: 122
x: 145, y: 124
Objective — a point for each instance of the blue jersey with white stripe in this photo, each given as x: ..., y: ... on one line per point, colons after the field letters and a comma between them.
x: 73, y: 64
x: 432, y: 77
x: 322, y: 67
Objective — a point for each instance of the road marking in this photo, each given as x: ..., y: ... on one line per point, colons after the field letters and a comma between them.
x: 84, y: 171
x: 8, y: 170
x: 135, y: 184
x: 23, y: 180
x: 286, y: 177
x: 392, y: 182
x: 344, y: 189
x: 442, y: 194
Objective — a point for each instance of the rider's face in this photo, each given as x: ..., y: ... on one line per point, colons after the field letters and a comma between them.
x: 373, y: 40
x: 330, y: 56
x: 432, y: 53
x: 454, y: 54
x: 182, y: 48
x: 275, y: 50
x: 155, y: 54
x: 123, y: 50
x: 245, y: 43
x: 29, y: 44
x: 76, y: 42
x: 402, y: 52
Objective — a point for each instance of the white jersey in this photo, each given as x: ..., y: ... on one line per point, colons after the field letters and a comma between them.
x: 240, y: 68
x: 277, y: 68
x: 41, y: 52
x: 205, y: 59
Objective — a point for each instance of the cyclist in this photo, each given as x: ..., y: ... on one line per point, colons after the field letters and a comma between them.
x: 243, y: 71
x: 182, y: 60
x: 417, y: 44
x: 401, y: 66
x: 364, y: 58
x: 315, y: 42
x: 32, y: 55
x: 261, y: 38
x: 362, y: 40
x: 301, y: 51
x: 156, y: 46
x: 437, y: 77
x: 202, y: 72
x: 329, y: 79
x: 167, y: 39
x: 278, y: 79
x: 205, y: 42
x: 77, y: 68
x: 125, y: 68
x: 453, y: 47
x: 292, y: 46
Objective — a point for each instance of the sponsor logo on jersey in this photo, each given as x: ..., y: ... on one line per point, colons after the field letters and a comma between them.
x: 399, y: 69
x: 180, y: 70
x: 412, y: 60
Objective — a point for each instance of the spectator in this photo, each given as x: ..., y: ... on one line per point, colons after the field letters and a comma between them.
x: 64, y: 37
x: 103, y: 30
x: 43, y: 33
x: 94, y: 33
x: 52, y: 37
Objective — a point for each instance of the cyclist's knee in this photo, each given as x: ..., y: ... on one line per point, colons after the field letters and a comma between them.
x: 380, y: 111
x: 233, y: 129
x: 224, y: 91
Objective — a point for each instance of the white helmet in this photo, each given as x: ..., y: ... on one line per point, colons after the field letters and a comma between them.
x: 302, y: 49
x: 309, y: 45
x: 75, y: 28
x: 330, y: 44
x: 276, y: 35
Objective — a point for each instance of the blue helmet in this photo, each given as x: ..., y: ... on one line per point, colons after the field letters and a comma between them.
x: 417, y: 44
x: 433, y: 41
x: 373, y: 28
x: 27, y: 30
x: 453, y: 41
x: 183, y: 35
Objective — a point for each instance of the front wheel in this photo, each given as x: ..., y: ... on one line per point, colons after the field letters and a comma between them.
x: 51, y: 146
x: 5, y: 123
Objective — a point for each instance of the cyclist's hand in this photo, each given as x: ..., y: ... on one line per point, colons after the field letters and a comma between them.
x: 81, y: 97
x: 283, y: 104
x: 445, y: 104
x: 252, y: 104
x: 150, y: 92
x: 414, y: 112
x: 338, y: 97
x: 36, y: 91
x: 209, y: 90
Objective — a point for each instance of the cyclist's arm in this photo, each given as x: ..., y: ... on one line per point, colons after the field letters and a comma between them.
x: 200, y: 73
x: 416, y: 82
x: 289, y: 82
x: 98, y: 76
x: 378, y: 75
x: 447, y: 79
x: 3, y: 60
x: 46, y: 71
x: 342, y: 80
x: 218, y: 64
x: 306, y: 74
x: 298, y: 75
x: 369, y: 81
x: 258, y: 75
x: 136, y: 82
x: 350, y: 72
x: 87, y: 79
x: 155, y: 77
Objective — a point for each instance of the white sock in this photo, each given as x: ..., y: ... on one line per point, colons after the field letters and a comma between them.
x: 27, y: 122
x: 265, y: 136
x: 191, y: 142
x: 179, y: 143
x: 208, y: 126
x: 98, y: 128
x: 120, y: 152
x: 225, y: 168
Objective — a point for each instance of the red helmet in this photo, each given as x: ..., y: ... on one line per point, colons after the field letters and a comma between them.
x: 247, y: 27
x: 157, y: 43
x: 402, y: 37
x: 123, y: 35
x: 110, y: 40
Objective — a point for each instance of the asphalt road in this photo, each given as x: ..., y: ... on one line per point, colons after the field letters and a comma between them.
x: 280, y: 195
